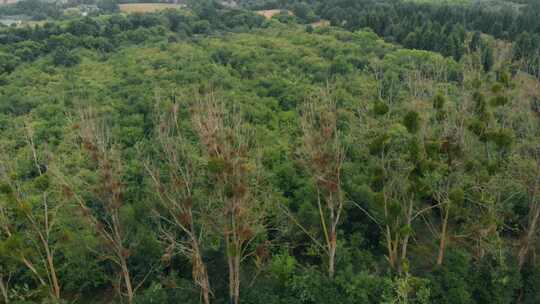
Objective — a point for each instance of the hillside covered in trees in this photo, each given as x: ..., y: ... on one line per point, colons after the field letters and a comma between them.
x: 211, y: 155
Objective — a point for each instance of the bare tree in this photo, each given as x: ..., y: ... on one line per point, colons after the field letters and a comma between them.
x: 108, y: 193
x: 174, y: 186
x: 238, y: 212
x: 447, y: 185
x: 40, y: 220
x: 323, y: 154
x: 525, y: 169
x: 399, y: 210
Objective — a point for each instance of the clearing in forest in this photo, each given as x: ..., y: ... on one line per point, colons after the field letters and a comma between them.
x: 8, y: 1
x: 268, y: 14
x: 147, y: 7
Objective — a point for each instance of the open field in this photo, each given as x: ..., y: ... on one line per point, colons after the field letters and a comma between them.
x: 8, y: 1
x: 147, y: 7
x: 321, y: 23
x: 268, y: 14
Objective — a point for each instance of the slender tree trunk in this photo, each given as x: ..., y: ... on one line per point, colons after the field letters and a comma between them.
x: 127, y: 279
x: 205, y: 289
x: 200, y: 274
x: 52, y: 270
x: 234, y: 275
x: 29, y: 265
x: 404, y: 247
x: 332, y: 254
x: 230, y: 263
x: 405, y: 244
x: 237, y: 279
x: 442, y: 242
x: 3, y: 289
x: 389, y: 247
x: 528, y: 238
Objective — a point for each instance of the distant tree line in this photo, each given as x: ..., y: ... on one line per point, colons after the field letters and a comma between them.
x: 440, y: 27
x: 25, y: 44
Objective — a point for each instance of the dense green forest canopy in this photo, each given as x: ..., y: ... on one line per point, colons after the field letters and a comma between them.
x: 208, y: 154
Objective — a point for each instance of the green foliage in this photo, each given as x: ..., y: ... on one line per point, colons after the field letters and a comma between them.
x: 412, y: 121
x: 531, y: 279
x: 487, y: 58
x: 63, y: 57
x: 380, y: 108
x: 494, y: 280
x: 439, y: 101
x: 449, y: 281
x: 498, y: 101
x: 8, y: 63
x: 502, y: 138
x: 130, y: 70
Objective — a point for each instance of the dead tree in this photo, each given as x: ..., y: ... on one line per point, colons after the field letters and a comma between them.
x: 238, y: 214
x: 399, y: 211
x: 40, y: 221
x: 323, y: 154
x: 526, y: 172
x: 174, y: 187
x: 108, y: 193
x: 448, y: 189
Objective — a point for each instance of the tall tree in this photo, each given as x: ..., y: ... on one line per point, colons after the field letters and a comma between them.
x: 239, y: 212
x: 525, y: 171
x: 174, y: 185
x: 101, y: 202
x: 323, y: 155
x: 38, y: 222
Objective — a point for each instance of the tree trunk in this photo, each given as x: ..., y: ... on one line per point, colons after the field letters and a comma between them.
x: 230, y: 262
x: 442, y: 242
x: 200, y: 274
x: 205, y: 289
x: 237, y: 279
x: 52, y: 270
x: 405, y: 242
x: 404, y: 247
x: 3, y: 289
x: 389, y: 247
x: 29, y: 265
x: 127, y: 279
x: 528, y: 238
x: 234, y: 277
x: 332, y: 254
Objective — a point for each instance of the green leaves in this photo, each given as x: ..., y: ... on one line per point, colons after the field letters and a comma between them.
x: 502, y: 138
x: 457, y: 196
x: 380, y: 108
x: 12, y: 246
x: 439, y: 101
x: 216, y: 165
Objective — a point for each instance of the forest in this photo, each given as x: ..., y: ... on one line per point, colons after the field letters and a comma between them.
x: 211, y: 155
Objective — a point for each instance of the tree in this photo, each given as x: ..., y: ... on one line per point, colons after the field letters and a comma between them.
x: 174, y: 186
x: 395, y: 182
x: 487, y: 57
x: 8, y: 63
x: 525, y: 172
x: 323, y: 155
x: 64, y: 57
x: 476, y: 41
x: 447, y: 181
x: 106, y: 196
x: 109, y: 6
x: 302, y: 11
x: 239, y: 213
x: 38, y: 214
